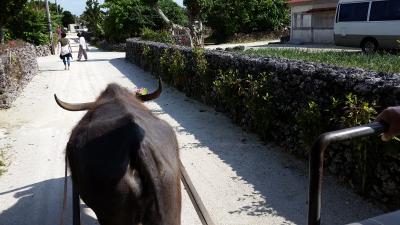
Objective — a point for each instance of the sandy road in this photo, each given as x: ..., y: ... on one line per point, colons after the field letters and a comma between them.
x: 240, y: 179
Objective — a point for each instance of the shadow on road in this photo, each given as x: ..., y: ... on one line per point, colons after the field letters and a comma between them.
x: 279, y: 178
x: 35, y: 205
x: 51, y: 70
x: 91, y: 60
x: 242, y: 157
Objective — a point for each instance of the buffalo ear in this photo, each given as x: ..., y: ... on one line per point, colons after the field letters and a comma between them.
x: 74, y: 106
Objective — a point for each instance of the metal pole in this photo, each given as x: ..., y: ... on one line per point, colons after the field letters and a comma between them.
x: 49, y: 27
x: 195, y: 198
x: 317, y: 162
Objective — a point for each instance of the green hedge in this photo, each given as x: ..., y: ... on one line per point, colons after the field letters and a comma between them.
x: 290, y: 103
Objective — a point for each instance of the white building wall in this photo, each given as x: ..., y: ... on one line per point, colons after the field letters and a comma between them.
x: 312, y: 27
x: 71, y: 27
x: 301, y: 36
x: 323, y: 36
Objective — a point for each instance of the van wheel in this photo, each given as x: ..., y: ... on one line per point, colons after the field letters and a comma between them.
x: 369, y: 46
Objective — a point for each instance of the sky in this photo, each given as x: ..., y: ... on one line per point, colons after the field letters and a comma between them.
x: 78, y: 6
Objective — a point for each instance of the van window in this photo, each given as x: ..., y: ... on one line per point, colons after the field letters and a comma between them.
x: 353, y: 12
x: 385, y: 10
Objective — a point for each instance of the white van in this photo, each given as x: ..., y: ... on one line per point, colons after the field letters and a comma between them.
x: 369, y: 24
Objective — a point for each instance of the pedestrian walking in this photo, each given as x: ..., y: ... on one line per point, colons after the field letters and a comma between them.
x: 82, y: 47
x: 65, y: 50
x: 58, y: 31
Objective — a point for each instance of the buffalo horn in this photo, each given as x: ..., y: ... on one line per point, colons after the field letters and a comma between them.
x: 75, y: 106
x: 153, y: 95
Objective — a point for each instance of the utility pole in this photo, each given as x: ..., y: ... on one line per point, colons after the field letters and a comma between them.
x: 49, y: 27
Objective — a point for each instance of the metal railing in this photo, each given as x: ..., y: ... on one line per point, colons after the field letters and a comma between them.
x: 317, y: 162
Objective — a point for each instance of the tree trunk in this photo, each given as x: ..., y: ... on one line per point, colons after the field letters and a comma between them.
x: 173, y: 26
x: 162, y: 15
x: 49, y: 27
x: 196, y: 31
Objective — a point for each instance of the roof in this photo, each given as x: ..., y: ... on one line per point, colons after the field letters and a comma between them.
x: 317, y: 10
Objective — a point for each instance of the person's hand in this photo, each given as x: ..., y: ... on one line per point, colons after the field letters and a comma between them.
x: 391, y: 116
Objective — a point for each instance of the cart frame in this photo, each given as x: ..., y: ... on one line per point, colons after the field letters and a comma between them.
x: 316, y: 158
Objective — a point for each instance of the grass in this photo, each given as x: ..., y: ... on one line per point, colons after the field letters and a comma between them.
x: 2, y: 162
x: 380, y: 62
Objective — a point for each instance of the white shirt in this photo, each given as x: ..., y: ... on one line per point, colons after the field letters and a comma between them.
x: 82, y: 42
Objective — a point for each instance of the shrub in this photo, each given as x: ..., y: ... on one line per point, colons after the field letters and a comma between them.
x: 157, y: 36
x: 229, y: 17
x: 30, y: 24
x: 2, y: 162
x: 201, y: 80
x: 172, y: 65
x: 127, y: 18
x: 291, y: 107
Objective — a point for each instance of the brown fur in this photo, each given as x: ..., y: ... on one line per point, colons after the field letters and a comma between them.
x: 124, y: 162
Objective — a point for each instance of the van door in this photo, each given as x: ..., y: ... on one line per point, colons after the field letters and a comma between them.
x: 350, y: 23
x: 385, y: 22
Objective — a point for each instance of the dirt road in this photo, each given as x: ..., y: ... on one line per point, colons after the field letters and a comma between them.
x: 241, y: 180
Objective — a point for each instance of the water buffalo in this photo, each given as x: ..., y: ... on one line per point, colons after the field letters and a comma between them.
x: 124, y: 161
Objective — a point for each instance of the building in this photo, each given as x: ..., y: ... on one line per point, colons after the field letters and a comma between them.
x: 72, y: 27
x: 312, y: 21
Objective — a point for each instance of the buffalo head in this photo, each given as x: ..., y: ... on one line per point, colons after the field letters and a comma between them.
x: 91, y: 105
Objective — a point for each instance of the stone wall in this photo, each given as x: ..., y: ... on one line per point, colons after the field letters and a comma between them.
x: 43, y: 50
x: 118, y: 47
x: 17, y: 67
x: 290, y: 103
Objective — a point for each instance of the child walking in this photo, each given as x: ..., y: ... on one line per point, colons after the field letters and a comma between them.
x: 82, y: 47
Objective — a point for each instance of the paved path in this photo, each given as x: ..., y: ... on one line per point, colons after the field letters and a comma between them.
x: 241, y: 180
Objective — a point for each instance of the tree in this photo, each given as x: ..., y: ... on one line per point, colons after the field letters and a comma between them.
x: 174, y: 12
x: 174, y: 27
x: 30, y: 23
x: 229, y: 17
x: 56, y: 8
x: 127, y: 18
x: 195, y: 9
x: 8, y: 10
x: 93, y: 17
x: 67, y: 18
x: 124, y: 19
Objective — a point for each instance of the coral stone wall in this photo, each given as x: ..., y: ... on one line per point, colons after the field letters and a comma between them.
x: 290, y: 103
x: 43, y: 50
x: 17, y: 67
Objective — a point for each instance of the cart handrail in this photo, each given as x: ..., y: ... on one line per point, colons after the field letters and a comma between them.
x: 316, y: 158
